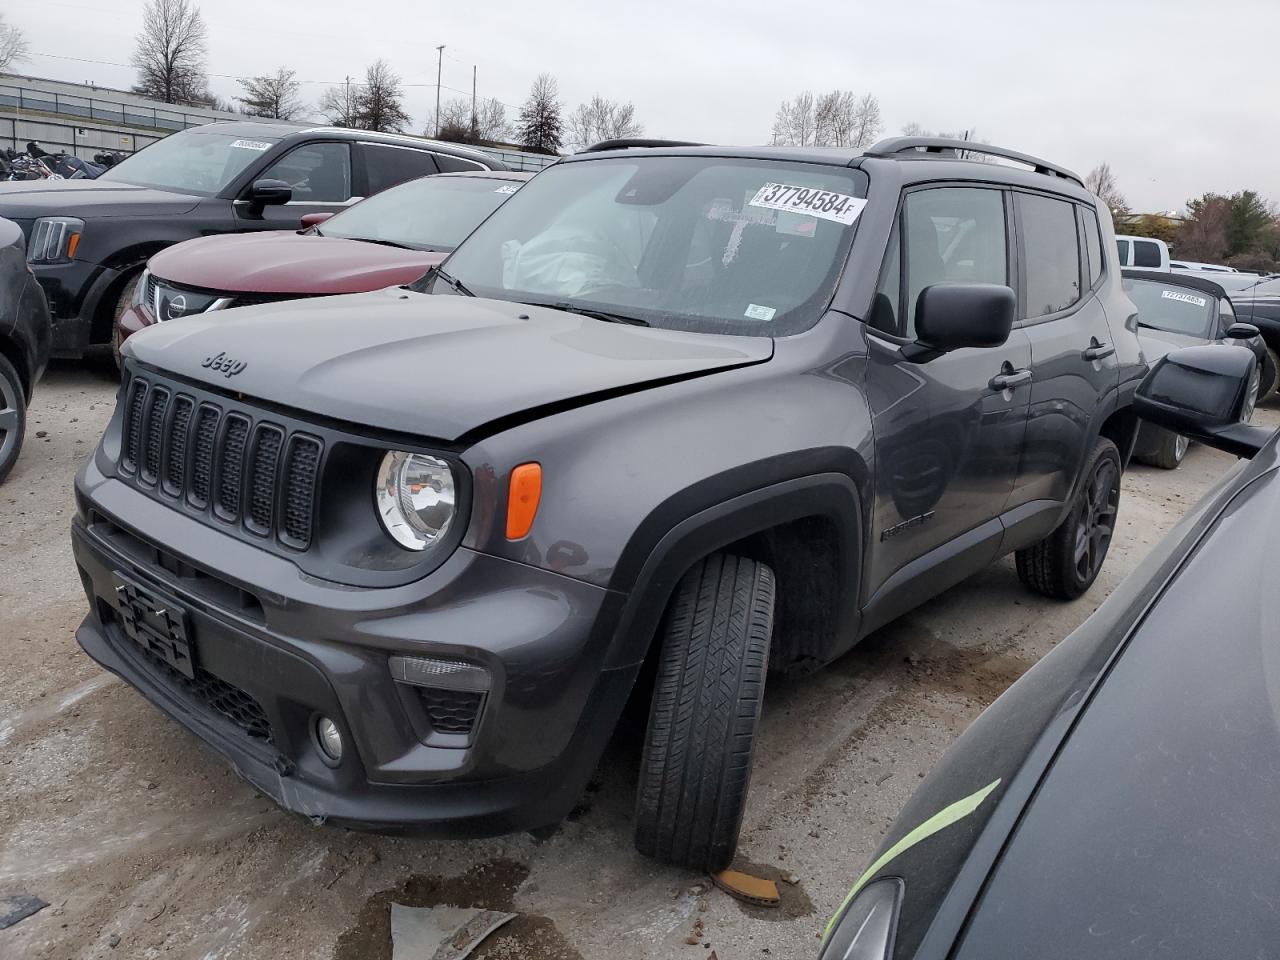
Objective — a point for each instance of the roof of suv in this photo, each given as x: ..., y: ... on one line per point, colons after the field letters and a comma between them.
x: 250, y: 128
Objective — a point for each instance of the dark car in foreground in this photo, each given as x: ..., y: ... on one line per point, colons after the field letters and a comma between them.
x: 88, y: 240
x: 389, y: 239
x: 1118, y: 801
x: 25, y: 334
x: 403, y: 556
x: 1178, y: 310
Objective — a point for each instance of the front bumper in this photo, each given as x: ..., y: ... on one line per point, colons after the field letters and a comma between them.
x: 281, y: 650
x: 75, y: 292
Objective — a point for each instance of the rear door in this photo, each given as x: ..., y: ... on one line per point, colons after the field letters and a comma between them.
x: 384, y: 165
x: 1073, y: 359
x: 947, y: 432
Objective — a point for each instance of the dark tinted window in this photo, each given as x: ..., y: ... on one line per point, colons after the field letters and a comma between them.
x: 1122, y: 247
x: 1146, y: 254
x: 387, y: 166
x: 318, y: 172
x: 458, y: 165
x: 1092, y: 244
x: 1050, y: 254
x: 953, y: 235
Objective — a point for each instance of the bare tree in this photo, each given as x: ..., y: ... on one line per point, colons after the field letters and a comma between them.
x: 602, y: 119
x: 170, y: 53
x: 1102, y: 184
x: 341, y: 104
x: 380, y: 104
x: 274, y: 95
x: 13, y: 44
x: 491, y: 121
x: 840, y: 118
x: 454, y: 123
x: 541, y: 128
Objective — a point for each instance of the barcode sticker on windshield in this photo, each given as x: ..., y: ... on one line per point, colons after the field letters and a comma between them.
x: 757, y: 312
x: 1184, y: 298
x: 251, y: 144
x: 837, y: 207
x: 506, y: 188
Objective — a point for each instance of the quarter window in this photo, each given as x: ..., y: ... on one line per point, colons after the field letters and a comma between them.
x: 1092, y: 244
x: 387, y: 166
x: 317, y: 172
x: 1122, y: 247
x: 1050, y: 254
x: 1146, y: 254
x: 452, y: 164
x: 952, y: 235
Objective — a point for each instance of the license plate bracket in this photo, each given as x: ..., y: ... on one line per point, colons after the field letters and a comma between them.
x: 156, y: 623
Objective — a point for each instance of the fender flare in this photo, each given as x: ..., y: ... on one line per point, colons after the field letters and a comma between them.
x: 649, y: 569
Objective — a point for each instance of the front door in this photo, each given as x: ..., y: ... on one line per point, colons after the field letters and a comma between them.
x: 948, y: 432
x: 319, y: 174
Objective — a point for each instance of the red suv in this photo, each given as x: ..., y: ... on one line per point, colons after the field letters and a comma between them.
x: 388, y: 239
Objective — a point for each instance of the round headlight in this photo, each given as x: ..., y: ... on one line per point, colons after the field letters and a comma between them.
x: 416, y: 497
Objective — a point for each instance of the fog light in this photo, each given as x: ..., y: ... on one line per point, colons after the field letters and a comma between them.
x: 329, y: 739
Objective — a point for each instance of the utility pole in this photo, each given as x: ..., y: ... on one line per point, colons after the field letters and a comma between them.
x: 439, y: 74
x: 475, y: 123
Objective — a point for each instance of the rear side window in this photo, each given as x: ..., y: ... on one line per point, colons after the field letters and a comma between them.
x: 1092, y: 243
x: 450, y: 164
x: 386, y: 166
x: 1146, y: 253
x: 952, y: 235
x: 1122, y: 247
x: 1050, y: 254
x: 317, y: 172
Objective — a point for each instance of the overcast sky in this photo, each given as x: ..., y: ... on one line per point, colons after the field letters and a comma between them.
x: 1179, y: 95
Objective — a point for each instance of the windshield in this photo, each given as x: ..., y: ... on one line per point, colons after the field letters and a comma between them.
x: 704, y: 244
x: 200, y: 162
x: 1167, y: 306
x: 433, y: 213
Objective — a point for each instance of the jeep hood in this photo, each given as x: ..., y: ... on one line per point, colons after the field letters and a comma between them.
x: 435, y: 366
x: 283, y: 261
x: 28, y: 199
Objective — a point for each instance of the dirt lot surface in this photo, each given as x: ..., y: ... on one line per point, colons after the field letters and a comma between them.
x: 146, y: 845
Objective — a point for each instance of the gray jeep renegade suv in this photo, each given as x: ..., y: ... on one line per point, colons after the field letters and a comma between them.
x: 401, y: 556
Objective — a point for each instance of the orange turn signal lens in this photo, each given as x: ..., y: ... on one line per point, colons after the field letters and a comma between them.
x: 522, y: 501
x: 72, y: 244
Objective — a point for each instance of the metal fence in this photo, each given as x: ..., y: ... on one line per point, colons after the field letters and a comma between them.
x: 98, y: 110
x: 519, y: 159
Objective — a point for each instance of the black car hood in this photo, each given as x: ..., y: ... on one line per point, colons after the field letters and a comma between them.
x: 430, y: 365
x: 28, y: 199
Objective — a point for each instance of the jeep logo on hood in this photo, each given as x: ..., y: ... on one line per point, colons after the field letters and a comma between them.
x: 224, y: 364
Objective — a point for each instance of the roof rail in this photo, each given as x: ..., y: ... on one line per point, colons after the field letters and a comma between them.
x: 629, y: 143
x: 896, y: 146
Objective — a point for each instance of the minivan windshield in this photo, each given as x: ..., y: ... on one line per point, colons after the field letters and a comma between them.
x: 704, y: 244
x: 1167, y: 306
x: 199, y: 161
x: 433, y: 213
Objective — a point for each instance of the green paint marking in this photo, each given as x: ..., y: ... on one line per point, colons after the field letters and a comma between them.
x: 939, y: 821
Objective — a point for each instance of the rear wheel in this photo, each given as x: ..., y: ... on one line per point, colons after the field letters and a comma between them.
x: 1270, y: 376
x: 1065, y: 563
x: 13, y: 416
x: 706, y: 706
x: 1168, y: 450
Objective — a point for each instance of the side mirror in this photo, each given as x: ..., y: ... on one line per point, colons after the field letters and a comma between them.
x: 314, y: 220
x: 950, y: 316
x: 1205, y: 393
x: 1241, y: 331
x: 269, y: 193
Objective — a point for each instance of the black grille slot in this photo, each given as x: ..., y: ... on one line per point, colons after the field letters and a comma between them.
x: 210, y: 455
x: 157, y: 406
x: 451, y: 711
x: 202, y: 462
x: 231, y: 468
x: 135, y: 407
x: 151, y: 292
x: 175, y: 465
x: 301, y: 468
x: 262, y: 477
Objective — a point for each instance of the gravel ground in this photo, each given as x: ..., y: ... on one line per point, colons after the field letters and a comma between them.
x: 146, y: 845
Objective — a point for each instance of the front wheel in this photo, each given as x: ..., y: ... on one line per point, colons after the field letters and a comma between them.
x: 706, y: 706
x: 1168, y: 451
x: 1066, y: 562
x: 122, y: 304
x: 13, y: 416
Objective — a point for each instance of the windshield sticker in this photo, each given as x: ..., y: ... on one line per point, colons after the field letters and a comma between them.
x: 757, y: 312
x: 836, y: 207
x: 506, y: 188
x: 258, y: 145
x: 1184, y: 298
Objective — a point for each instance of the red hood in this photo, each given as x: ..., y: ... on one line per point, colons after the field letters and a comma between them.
x: 288, y: 262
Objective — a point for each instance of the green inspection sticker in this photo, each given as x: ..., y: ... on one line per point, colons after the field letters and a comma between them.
x: 939, y: 821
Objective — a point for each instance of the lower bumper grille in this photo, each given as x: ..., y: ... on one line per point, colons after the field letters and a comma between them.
x: 451, y: 711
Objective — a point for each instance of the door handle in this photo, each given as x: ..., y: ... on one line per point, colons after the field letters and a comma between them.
x: 1096, y: 350
x: 1008, y: 378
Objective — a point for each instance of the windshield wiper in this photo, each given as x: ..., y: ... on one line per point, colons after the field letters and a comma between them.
x: 455, y: 284
x: 386, y: 243
x: 599, y: 314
